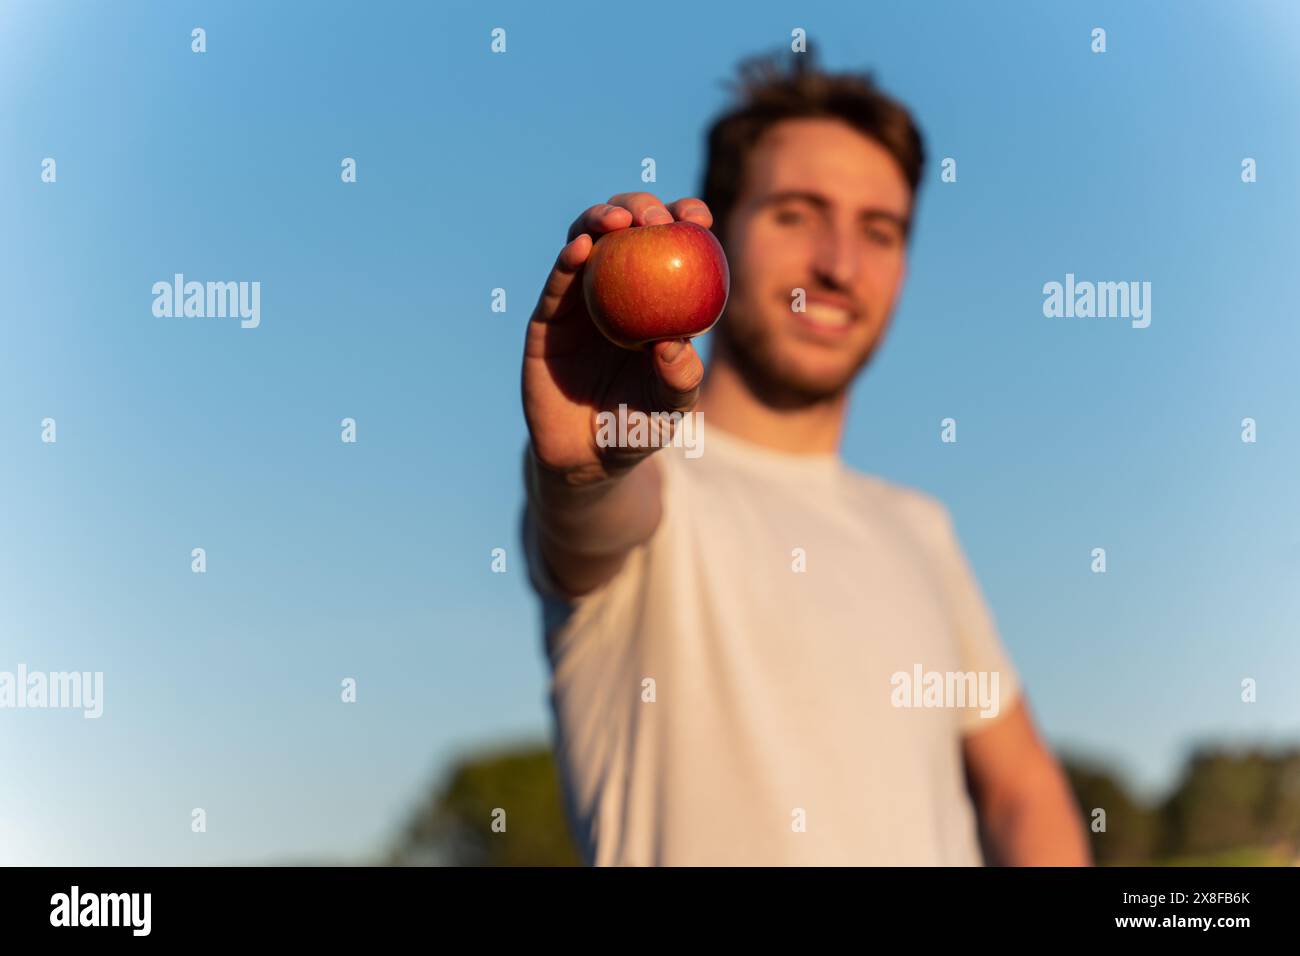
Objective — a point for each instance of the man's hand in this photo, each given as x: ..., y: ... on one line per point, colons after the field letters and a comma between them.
x: 572, y: 372
x: 592, y: 505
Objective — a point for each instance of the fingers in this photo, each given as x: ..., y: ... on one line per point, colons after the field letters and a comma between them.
x: 693, y: 210
x: 637, y: 209
x: 646, y: 209
x: 678, y: 374
x: 561, y: 284
x: 598, y: 220
x: 622, y: 211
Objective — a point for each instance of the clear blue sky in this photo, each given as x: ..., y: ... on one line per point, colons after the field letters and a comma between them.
x: 371, y: 560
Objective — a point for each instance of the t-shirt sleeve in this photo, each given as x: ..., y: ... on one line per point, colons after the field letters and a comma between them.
x: 556, y: 607
x: 560, y: 612
x: 602, y: 610
x: 979, y: 643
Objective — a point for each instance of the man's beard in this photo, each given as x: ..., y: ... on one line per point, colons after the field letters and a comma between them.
x: 752, y: 351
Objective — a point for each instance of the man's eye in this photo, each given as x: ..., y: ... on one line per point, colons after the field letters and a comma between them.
x: 882, y: 237
x: 789, y: 217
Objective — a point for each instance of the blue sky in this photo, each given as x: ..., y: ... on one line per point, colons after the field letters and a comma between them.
x: 371, y: 560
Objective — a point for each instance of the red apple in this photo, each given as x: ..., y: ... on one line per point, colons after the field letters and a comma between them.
x: 646, y: 283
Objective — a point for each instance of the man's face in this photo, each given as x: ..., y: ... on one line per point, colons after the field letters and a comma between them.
x: 823, y: 209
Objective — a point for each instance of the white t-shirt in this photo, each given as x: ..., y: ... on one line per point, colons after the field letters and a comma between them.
x: 716, y: 706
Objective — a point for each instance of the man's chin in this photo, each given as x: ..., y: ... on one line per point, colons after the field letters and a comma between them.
x: 787, y: 372
x: 817, y: 386
x: 795, y: 381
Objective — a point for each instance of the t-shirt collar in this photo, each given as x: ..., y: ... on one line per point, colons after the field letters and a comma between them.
x: 729, y: 446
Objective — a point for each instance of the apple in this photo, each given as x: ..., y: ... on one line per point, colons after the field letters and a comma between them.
x: 646, y: 283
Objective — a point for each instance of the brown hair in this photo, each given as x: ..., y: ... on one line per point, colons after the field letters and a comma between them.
x: 767, y: 94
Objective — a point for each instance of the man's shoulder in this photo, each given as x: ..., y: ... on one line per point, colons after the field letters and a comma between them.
x: 922, y: 511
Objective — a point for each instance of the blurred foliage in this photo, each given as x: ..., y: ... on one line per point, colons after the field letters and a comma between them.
x: 1132, y: 830
x: 1230, y: 808
x: 1228, y: 800
x: 519, y: 789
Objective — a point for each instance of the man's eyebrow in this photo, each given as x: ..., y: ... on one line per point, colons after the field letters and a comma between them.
x: 821, y: 202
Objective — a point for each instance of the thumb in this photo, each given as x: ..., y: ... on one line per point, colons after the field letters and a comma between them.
x: 678, y: 374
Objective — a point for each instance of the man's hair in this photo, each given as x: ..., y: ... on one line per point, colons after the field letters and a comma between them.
x: 768, y: 94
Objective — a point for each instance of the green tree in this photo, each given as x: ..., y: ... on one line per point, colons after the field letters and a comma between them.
x: 516, y: 787
x: 1231, y: 807
x: 1132, y: 830
x: 1230, y: 799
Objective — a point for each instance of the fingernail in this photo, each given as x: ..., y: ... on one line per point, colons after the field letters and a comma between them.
x: 672, y: 350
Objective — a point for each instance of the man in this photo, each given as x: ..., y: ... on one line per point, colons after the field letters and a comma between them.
x: 734, y: 635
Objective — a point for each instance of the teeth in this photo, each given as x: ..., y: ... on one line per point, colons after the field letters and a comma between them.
x: 827, y: 315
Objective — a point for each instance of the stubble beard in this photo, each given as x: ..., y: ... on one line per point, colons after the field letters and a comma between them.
x: 750, y: 350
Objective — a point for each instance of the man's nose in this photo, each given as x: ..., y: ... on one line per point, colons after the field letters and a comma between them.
x: 837, y: 256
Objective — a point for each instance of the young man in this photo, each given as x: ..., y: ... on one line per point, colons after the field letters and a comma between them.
x: 734, y: 634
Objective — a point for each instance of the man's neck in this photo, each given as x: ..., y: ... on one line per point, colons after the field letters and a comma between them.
x: 728, y: 401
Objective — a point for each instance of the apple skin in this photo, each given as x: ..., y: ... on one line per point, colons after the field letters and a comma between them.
x: 647, y: 283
